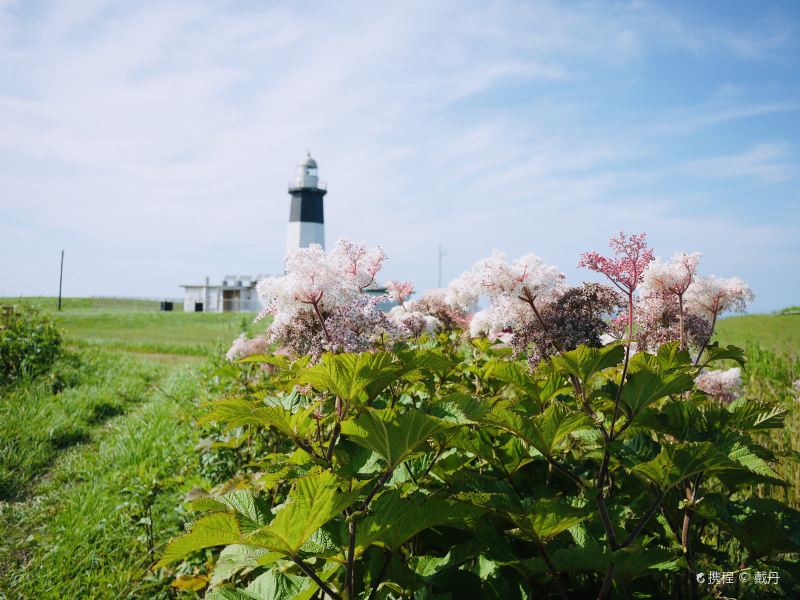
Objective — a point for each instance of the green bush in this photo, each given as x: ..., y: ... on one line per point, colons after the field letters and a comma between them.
x: 446, y: 470
x: 29, y: 343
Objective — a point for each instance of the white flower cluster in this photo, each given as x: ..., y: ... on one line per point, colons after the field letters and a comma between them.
x: 723, y: 385
x: 674, y: 276
x: 243, y: 347
x: 527, y: 278
x: 711, y: 296
x: 320, y: 304
x: 413, y: 322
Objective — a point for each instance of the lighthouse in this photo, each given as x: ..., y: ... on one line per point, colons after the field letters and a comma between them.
x: 306, y: 221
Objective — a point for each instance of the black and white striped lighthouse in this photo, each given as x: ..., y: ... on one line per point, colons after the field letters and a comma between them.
x: 306, y: 220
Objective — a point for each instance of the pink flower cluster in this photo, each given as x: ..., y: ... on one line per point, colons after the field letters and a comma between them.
x: 243, y: 347
x: 673, y: 302
x: 724, y: 386
x: 626, y: 268
x: 320, y: 304
x: 399, y: 291
x: 433, y: 311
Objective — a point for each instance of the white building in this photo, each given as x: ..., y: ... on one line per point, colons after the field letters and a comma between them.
x: 236, y: 293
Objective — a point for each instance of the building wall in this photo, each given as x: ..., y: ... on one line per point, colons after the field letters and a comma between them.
x: 213, y: 300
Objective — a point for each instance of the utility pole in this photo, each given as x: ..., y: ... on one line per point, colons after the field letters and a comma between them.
x: 442, y: 252
x: 60, y: 280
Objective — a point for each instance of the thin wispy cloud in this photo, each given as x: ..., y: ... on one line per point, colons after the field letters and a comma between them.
x: 154, y: 141
x: 770, y: 163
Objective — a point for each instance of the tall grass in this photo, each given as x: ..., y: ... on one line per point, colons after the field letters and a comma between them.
x: 770, y: 375
x: 38, y: 420
x: 91, y: 526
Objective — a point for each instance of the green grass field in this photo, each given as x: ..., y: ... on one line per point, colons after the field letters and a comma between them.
x: 138, y: 326
x: 96, y: 457
x: 86, y: 449
x: 779, y: 333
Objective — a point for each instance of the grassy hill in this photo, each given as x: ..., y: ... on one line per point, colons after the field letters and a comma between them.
x: 778, y: 333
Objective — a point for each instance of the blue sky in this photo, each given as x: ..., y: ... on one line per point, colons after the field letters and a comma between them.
x: 153, y: 141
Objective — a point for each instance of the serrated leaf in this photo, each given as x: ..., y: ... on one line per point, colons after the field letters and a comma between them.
x: 584, y: 362
x: 681, y: 419
x: 715, y: 352
x: 276, y: 585
x: 394, y: 519
x: 348, y: 376
x: 544, y: 432
x: 546, y: 518
x: 765, y: 526
x: 645, y: 387
x: 313, y: 501
x: 669, y: 357
x: 512, y: 372
x: 255, y: 510
x: 234, y: 559
x: 459, y: 409
x: 236, y: 412
x: 677, y: 462
x: 279, y: 360
x: 393, y: 435
x: 748, y: 415
x: 215, y: 529
x: 421, y: 361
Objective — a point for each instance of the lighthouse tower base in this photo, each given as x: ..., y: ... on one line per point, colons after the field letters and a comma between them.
x: 302, y: 234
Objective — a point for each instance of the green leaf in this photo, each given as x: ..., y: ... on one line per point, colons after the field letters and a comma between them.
x: 276, y: 585
x: 513, y: 372
x: 314, y: 500
x: 633, y: 563
x: 681, y: 419
x: 394, y: 519
x: 677, y: 462
x: 546, y: 518
x: 279, y: 360
x: 419, y: 361
x: 668, y: 358
x: 392, y: 435
x: 765, y: 526
x: 234, y: 559
x: 749, y: 415
x: 255, y: 510
x: 348, y: 376
x: 585, y: 362
x: 459, y: 409
x: 715, y: 353
x: 644, y: 387
x: 544, y: 432
x: 215, y: 529
x: 236, y: 412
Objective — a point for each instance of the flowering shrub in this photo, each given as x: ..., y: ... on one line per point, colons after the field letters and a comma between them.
x: 513, y: 452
